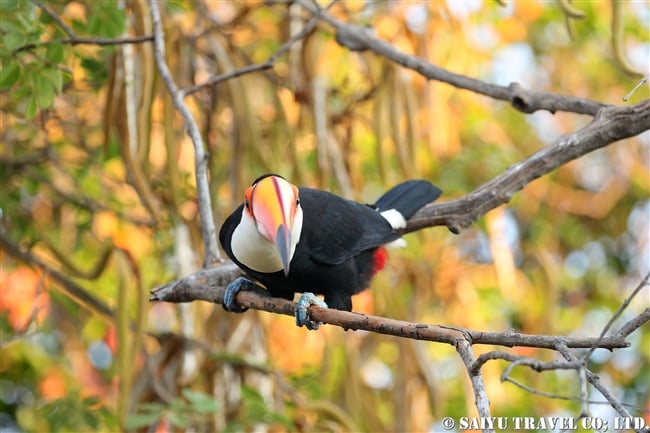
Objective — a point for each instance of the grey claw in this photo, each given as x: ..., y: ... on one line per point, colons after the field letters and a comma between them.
x: 302, y: 310
x: 241, y: 283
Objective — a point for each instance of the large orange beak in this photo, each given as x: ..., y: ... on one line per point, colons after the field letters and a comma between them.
x: 273, y: 203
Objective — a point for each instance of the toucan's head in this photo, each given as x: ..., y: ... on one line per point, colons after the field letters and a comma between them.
x: 272, y: 206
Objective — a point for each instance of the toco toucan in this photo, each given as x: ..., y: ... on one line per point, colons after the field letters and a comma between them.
x: 294, y: 239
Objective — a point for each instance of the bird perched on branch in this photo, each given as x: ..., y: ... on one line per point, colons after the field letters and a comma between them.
x: 306, y: 240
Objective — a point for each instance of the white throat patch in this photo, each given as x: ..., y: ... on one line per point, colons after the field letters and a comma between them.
x: 255, y: 251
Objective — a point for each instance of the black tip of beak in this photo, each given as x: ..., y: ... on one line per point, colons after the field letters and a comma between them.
x: 283, y: 244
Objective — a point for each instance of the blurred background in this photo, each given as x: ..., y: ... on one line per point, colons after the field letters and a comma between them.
x: 98, y: 185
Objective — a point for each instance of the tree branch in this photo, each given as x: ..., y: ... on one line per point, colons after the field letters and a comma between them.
x: 527, y: 101
x: 208, y: 228
x: 209, y: 285
x: 594, y: 380
x: 74, y: 39
x: 88, y: 41
x: 80, y: 295
x: 268, y: 64
x: 481, y: 400
x: 534, y: 364
x: 611, y: 124
x: 644, y: 282
x: 56, y: 18
x: 633, y: 324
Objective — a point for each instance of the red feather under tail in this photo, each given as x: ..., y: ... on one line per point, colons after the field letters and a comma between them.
x: 380, y: 257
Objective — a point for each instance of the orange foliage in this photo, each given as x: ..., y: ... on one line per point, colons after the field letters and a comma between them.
x: 363, y: 302
x: 292, y: 348
x: 23, y: 297
x: 53, y: 385
x: 529, y: 10
x: 511, y: 30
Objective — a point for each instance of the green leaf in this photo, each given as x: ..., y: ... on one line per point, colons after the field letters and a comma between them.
x: 54, y: 53
x: 45, y: 93
x: 13, y: 41
x: 55, y: 77
x: 106, y: 20
x: 9, y: 75
x: 32, y: 107
x: 178, y: 419
x: 152, y: 407
x: 139, y: 420
x: 200, y: 401
x: 96, y: 69
x: 8, y: 26
x: 9, y: 5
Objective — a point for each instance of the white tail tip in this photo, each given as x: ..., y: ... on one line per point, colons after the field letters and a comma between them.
x: 394, y: 218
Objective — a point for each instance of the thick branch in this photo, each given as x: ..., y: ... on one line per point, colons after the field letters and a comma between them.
x: 209, y: 285
x: 611, y: 124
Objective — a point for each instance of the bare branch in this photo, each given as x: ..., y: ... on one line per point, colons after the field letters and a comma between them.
x: 644, y: 282
x: 611, y: 124
x: 74, y: 39
x: 528, y: 101
x: 594, y: 380
x: 268, y: 64
x: 481, y: 400
x: 209, y: 285
x: 516, y: 360
x: 633, y: 324
x: 563, y: 397
x: 88, y: 41
x: 208, y: 228
x: 56, y: 18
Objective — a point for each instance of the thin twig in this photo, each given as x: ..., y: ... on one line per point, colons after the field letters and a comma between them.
x: 594, y: 380
x: 88, y: 41
x: 268, y: 64
x: 644, y: 282
x: 565, y: 397
x: 56, y: 18
x: 515, y: 360
x: 639, y: 84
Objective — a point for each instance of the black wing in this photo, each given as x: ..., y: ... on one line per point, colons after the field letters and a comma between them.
x: 335, y: 229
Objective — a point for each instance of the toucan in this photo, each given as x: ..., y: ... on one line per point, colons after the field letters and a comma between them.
x: 296, y: 239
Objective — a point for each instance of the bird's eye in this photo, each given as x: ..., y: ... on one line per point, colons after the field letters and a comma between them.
x: 246, y: 205
x: 297, y: 202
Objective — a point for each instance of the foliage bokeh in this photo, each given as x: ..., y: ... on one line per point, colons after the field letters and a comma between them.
x: 98, y: 182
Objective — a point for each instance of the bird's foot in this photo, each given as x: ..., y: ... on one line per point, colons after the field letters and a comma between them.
x: 302, y: 310
x: 241, y: 283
